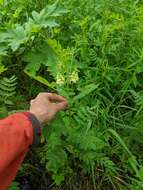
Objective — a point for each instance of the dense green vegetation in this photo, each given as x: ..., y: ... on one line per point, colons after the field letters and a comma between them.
x: 91, y: 52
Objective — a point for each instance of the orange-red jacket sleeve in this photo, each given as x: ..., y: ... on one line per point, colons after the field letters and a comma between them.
x: 17, y: 133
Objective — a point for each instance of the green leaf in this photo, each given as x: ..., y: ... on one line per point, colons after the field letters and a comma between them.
x: 1, y: 2
x: 53, y: 10
x: 41, y: 80
x: 58, y: 178
x: 85, y: 91
x: 90, y: 142
x: 48, y: 23
x: 42, y: 21
x: 3, y: 50
x: 141, y: 172
x: 14, y: 37
x: 35, y: 60
x: 8, y: 102
x: 134, y: 164
x: 42, y: 56
x: 50, y: 9
x: 46, y: 18
x: 2, y: 68
x: 14, y: 186
x: 19, y: 34
x: 56, y: 160
x: 121, y: 141
x: 35, y: 15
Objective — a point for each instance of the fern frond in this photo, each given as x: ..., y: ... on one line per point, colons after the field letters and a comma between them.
x: 7, y: 89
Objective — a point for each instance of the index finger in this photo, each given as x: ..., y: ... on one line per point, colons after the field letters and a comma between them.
x: 55, y: 97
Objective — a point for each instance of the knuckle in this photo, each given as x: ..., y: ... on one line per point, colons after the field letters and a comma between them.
x: 55, y: 95
x: 41, y: 94
x: 49, y: 94
x: 32, y: 101
x: 44, y: 94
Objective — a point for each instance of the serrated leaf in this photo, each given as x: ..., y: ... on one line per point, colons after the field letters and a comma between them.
x: 35, y: 60
x: 59, y: 11
x: 51, y: 8
x: 44, y: 55
x: 14, y: 37
x: 48, y: 23
x: 46, y: 17
x: 55, y: 9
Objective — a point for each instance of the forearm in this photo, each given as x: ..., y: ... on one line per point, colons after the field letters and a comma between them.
x: 17, y: 134
x: 21, y: 130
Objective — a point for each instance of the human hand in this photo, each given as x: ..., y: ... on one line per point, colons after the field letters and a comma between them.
x: 46, y: 105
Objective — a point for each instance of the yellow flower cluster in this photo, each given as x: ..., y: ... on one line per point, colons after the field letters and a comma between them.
x: 60, y: 80
x: 74, y: 77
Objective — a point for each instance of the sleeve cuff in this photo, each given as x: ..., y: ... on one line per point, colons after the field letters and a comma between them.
x: 36, y: 128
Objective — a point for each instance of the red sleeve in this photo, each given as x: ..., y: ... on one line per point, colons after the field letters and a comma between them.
x: 16, y: 135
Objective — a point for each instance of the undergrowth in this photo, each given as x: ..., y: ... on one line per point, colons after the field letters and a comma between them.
x: 91, y: 53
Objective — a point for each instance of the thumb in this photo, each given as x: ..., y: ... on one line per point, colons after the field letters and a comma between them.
x: 61, y: 105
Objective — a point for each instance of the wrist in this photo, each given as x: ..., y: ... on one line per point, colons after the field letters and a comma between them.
x: 36, y: 116
x: 37, y: 128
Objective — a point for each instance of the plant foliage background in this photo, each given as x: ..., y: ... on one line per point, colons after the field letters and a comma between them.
x: 91, y: 52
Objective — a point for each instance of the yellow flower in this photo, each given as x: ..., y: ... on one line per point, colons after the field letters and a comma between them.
x: 74, y: 77
x: 60, y: 79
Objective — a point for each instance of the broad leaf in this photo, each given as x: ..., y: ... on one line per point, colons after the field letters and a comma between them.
x: 14, y: 37
x: 42, y: 56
